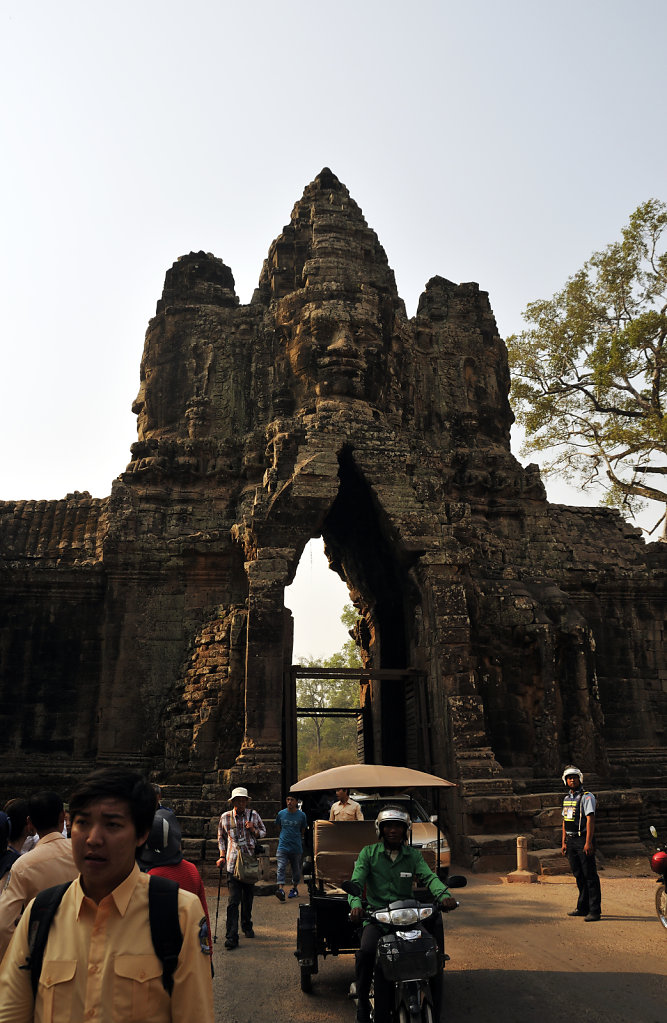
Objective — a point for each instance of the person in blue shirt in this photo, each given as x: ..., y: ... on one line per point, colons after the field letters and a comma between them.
x: 292, y: 823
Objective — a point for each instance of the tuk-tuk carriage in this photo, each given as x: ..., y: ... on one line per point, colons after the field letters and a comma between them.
x: 323, y: 927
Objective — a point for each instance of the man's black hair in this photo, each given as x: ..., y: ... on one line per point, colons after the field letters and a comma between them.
x: 17, y: 811
x: 117, y: 783
x: 44, y: 810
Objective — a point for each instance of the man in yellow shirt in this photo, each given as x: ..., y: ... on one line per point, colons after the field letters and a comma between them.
x: 50, y: 862
x: 99, y: 962
x: 345, y: 809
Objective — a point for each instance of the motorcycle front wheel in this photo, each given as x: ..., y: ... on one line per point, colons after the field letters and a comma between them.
x: 661, y: 905
x: 424, y: 1016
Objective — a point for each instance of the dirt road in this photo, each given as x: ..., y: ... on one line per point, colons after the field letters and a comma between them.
x: 515, y: 958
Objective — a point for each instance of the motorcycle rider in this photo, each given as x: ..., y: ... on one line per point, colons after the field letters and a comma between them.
x: 387, y: 869
x: 578, y: 843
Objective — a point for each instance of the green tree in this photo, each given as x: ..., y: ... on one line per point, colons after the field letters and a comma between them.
x: 589, y: 372
x: 327, y: 742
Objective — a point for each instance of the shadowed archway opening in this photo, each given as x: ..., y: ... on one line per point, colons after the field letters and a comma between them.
x: 362, y: 549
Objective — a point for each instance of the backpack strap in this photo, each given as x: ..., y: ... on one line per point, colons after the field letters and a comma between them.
x: 165, y: 927
x: 44, y: 908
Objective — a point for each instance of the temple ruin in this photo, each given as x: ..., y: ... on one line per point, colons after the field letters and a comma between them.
x: 149, y: 626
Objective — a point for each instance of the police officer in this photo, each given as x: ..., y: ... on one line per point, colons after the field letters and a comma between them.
x: 578, y: 843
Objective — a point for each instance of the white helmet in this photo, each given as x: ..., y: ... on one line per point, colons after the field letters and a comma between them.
x: 572, y: 770
x: 392, y: 813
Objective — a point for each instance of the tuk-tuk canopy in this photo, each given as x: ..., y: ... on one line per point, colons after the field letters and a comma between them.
x: 369, y: 777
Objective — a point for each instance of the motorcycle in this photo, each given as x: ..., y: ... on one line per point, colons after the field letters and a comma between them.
x: 407, y: 957
x: 659, y: 866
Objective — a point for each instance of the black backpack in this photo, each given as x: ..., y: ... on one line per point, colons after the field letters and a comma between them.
x: 163, y: 914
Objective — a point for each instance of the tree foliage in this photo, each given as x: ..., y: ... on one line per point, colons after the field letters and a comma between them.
x: 327, y: 742
x: 589, y: 372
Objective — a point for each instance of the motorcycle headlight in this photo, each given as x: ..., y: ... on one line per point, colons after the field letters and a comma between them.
x: 404, y: 917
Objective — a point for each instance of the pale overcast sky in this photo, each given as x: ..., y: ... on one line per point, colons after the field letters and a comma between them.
x: 500, y: 143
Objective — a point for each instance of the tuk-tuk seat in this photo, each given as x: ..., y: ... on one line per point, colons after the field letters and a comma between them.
x: 336, y: 846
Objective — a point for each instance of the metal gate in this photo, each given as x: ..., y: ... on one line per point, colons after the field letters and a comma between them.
x: 369, y: 739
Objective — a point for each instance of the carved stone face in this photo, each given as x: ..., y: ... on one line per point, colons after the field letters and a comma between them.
x: 336, y: 349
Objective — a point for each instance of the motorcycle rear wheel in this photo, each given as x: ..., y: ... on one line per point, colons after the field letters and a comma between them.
x: 661, y: 905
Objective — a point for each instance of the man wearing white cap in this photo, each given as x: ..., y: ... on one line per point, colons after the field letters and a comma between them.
x: 238, y: 828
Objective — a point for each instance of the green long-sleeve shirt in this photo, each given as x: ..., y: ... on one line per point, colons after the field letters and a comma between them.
x: 388, y: 880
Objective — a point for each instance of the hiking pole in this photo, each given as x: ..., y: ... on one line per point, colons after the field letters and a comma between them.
x: 217, y: 909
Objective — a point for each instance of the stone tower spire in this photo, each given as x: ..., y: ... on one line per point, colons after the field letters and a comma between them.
x: 327, y: 244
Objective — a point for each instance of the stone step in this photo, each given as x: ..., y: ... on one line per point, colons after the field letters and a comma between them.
x: 198, y: 848
x: 638, y: 766
x: 548, y: 862
x: 490, y: 852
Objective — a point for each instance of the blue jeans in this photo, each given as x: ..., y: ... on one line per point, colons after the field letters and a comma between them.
x: 283, y: 857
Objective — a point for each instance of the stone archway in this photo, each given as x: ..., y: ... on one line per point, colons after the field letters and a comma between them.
x: 363, y: 546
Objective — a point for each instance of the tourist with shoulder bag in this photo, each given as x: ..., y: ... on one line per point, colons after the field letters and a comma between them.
x: 239, y: 831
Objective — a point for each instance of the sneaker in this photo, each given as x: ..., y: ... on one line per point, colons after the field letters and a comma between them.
x: 591, y: 918
x: 231, y: 943
x: 577, y: 912
x: 280, y: 895
x: 294, y: 893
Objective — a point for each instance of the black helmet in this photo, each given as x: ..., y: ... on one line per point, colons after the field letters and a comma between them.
x: 163, y: 845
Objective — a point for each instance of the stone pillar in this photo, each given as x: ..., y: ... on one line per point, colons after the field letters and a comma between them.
x: 259, y: 764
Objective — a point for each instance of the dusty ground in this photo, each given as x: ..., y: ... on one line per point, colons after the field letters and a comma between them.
x: 515, y: 958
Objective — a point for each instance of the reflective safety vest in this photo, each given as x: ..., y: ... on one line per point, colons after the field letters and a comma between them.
x: 573, y: 812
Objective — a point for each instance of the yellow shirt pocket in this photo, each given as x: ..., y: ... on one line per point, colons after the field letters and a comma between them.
x: 56, y: 985
x: 138, y: 990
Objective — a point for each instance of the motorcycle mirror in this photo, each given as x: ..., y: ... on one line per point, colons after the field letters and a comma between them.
x: 653, y: 831
x: 456, y: 881
x: 352, y: 888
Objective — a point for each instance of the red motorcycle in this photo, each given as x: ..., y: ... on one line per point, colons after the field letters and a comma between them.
x: 659, y: 866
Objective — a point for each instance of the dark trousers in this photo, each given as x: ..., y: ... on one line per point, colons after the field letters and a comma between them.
x: 585, y: 873
x: 383, y: 990
x: 239, y: 894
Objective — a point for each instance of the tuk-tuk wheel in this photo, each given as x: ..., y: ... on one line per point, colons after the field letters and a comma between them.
x: 306, y: 979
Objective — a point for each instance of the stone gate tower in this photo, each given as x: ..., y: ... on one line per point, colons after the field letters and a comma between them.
x: 150, y: 626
